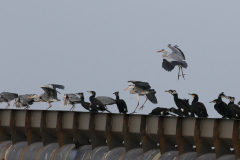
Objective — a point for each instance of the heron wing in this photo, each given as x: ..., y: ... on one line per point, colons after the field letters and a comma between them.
x: 106, y: 100
x: 176, y: 52
x: 50, y: 92
x: 168, y: 66
x: 151, y: 96
x: 74, y: 98
x: 53, y: 86
x: 9, y: 96
x: 144, y: 85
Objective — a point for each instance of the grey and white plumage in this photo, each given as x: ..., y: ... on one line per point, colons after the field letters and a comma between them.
x: 71, y: 99
x: 106, y: 100
x: 141, y: 89
x: 50, y: 93
x: 24, y: 101
x: 176, y: 58
x: 7, y: 97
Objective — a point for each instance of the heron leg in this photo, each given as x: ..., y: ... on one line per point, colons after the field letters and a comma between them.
x: 179, y: 72
x: 182, y: 73
x: 7, y: 105
x: 49, y: 106
x: 143, y: 103
x: 137, y: 105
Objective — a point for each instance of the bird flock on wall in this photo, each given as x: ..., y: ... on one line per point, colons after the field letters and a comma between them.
x: 100, y: 103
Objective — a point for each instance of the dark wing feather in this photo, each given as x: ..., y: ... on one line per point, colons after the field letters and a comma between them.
x: 53, y: 86
x: 144, y: 85
x: 152, y: 97
x: 168, y: 66
x: 180, y: 51
x: 50, y: 92
x: 202, y: 107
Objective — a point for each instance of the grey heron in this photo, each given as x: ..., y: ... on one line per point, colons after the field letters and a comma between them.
x: 95, y: 101
x: 71, y: 99
x: 198, y: 107
x: 86, y: 105
x: 7, y: 97
x: 142, y: 89
x: 121, y: 104
x: 175, y: 58
x: 24, y: 101
x: 50, y: 94
x: 106, y: 100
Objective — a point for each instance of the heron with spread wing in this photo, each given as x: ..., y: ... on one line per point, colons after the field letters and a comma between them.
x: 176, y: 58
x: 24, y: 101
x: 142, y: 89
x: 50, y: 94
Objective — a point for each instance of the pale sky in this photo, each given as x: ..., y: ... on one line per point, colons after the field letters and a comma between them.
x: 100, y: 45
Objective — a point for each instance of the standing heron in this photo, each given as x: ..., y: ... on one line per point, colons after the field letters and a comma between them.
x: 198, y: 108
x: 95, y: 101
x: 142, y: 89
x: 86, y: 105
x: 176, y: 58
x: 121, y: 104
x: 106, y: 100
x: 7, y: 97
x: 71, y: 99
x: 24, y: 101
x: 50, y: 94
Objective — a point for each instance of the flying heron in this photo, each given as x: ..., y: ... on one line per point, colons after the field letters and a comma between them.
x: 121, y: 104
x: 24, y: 101
x: 7, y: 97
x: 86, y: 105
x: 71, y: 99
x: 95, y: 101
x: 175, y: 58
x: 50, y: 94
x: 198, y: 107
x: 142, y: 89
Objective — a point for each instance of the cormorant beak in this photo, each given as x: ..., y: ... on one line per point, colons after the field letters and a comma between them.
x: 89, y: 92
x: 126, y: 88
x: 168, y: 91
x: 212, y: 102
x: 191, y: 94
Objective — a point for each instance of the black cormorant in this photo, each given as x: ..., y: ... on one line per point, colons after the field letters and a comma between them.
x: 235, y: 110
x: 197, y: 107
x: 121, y: 104
x: 86, y: 105
x: 95, y: 101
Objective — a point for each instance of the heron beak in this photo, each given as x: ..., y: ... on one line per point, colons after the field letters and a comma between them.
x: 125, y: 89
x: 29, y: 97
x: 159, y: 51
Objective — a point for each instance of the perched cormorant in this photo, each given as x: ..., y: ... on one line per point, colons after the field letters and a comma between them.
x: 121, y: 104
x: 219, y: 109
x: 86, y: 105
x: 182, y: 104
x: 223, y: 107
x: 235, y: 110
x: 160, y: 111
x: 197, y: 107
x: 176, y: 111
x: 95, y: 101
